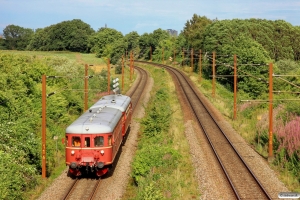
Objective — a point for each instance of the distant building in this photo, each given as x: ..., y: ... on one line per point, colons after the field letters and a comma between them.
x: 172, y: 32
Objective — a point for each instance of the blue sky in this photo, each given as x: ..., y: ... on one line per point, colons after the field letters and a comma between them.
x: 142, y: 16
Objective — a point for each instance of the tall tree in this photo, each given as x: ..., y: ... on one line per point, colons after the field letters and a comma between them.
x: 144, y: 44
x: 157, y: 36
x: 295, y: 42
x: 17, y: 37
x: 282, y: 39
x: 102, y: 39
x: 132, y: 40
x: 194, y: 30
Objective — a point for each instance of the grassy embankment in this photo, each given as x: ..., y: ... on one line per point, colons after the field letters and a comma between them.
x: 162, y: 167
x: 252, y: 124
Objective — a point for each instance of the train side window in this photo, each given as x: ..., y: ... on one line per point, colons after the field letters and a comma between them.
x: 99, y: 141
x: 109, y: 140
x: 87, y: 142
x: 76, y: 141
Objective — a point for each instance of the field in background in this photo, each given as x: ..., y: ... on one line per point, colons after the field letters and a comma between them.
x: 81, y: 58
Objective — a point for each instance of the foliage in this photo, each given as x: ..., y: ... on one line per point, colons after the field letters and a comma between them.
x: 144, y: 44
x: 158, y: 116
x: 156, y: 37
x: 118, y: 49
x: 118, y: 69
x: 276, y: 37
x: 220, y: 38
x: 2, y: 44
x: 132, y: 40
x: 16, y: 37
x: 151, y: 192
x: 164, y: 50
x: 288, y: 134
x: 152, y: 153
x: 20, y: 100
x: 101, y: 42
x: 162, y: 167
x: 194, y: 30
x: 65, y: 36
x: 16, y: 176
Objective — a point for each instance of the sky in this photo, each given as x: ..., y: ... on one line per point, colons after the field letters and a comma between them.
x: 142, y: 16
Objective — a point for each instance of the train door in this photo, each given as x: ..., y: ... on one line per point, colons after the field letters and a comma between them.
x: 87, y: 152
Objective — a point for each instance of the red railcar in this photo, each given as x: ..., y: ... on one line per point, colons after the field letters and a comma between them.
x: 94, y: 139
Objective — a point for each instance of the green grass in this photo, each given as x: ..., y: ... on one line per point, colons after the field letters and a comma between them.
x: 81, y: 58
x: 176, y: 181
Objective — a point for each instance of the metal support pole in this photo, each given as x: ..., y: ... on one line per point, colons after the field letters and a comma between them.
x: 214, y: 75
x: 200, y: 65
x: 86, y: 76
x: 234, y: 86
x: 108, y: 76
x: 270, y: 157
x: 192, y: 60
x: 130, y: 66
x: 163, y: 56
x: 44, y: 126
x: 122, y: 73
x: 132, y: 62
x: 174, y: 59
x: 150, y: 54
x: 182, y: 56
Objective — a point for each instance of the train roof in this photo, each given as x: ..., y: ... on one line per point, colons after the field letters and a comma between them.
x: 118, y: 101
x: 95, y: 120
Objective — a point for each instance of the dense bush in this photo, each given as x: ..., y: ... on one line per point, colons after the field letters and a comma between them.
x: 156, y: 156
x: 20, y: 116
x: 288, y: 135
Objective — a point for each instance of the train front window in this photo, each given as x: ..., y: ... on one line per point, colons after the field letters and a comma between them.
x: 87, y: 142
x: 66, y: 141
x: 99, y: 141
x: 76, y: 141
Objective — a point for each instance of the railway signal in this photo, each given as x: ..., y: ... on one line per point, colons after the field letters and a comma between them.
x: 115, y: 85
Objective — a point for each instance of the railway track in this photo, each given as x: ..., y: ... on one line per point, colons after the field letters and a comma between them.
x: 244, y: 184
x: 136, y: 91
x: 87, y: 188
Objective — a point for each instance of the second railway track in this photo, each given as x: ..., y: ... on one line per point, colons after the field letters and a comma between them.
x: 244, y: 184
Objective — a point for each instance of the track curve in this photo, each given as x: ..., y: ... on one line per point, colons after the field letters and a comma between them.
x: 242, y: 180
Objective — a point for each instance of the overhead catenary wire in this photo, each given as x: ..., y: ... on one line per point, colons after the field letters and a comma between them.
x: 267, y: 101
x: 248, y: 74
x: 286, y: 92
x: 287, y: 82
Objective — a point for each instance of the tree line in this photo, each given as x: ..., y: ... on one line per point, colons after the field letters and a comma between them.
x: 256, y: 42
x: 278, y: 38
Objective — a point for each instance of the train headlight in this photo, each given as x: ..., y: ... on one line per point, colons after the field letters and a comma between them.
x: 100, y: 165
x: 72, y: 152
x: 102, y: 152
x: 73, y: 165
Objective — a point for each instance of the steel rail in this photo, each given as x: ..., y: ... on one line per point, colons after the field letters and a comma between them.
x: 175, y: 71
